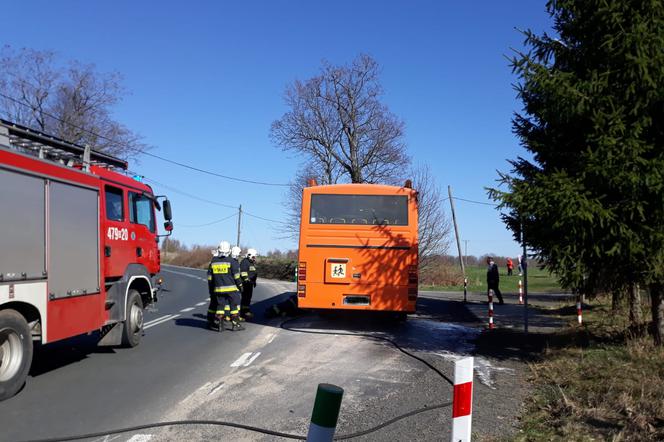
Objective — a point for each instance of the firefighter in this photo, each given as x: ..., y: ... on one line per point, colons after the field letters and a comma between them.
x: 249, y: 277
x: 235, y: 255
x: 224, y: 283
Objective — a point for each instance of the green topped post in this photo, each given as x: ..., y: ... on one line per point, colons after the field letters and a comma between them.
x: 326, y: 413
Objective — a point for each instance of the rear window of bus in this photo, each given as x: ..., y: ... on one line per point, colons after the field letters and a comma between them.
x: 359, y: 209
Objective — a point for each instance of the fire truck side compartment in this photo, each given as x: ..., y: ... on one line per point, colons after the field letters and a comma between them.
x: 22, y: 227
x: 73, y: 226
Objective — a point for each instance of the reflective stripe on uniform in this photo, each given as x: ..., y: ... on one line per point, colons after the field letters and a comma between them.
x: 252, y: 268
x: 216, y: 312
x: 225, y: 289
x: 209, y: 277
x: 235, y: 312
x: 244, y: 274
x: 236, y: 276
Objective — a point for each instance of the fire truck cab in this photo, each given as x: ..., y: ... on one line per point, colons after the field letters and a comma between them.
x: 79, y: 248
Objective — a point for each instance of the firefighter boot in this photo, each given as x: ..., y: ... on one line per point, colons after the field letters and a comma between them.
x: 246, y: 312
x: 236, y: 323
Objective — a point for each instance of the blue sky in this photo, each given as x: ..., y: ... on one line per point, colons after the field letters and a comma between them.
x: 206, y: 80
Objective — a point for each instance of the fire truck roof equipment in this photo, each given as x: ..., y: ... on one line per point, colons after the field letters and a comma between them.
x: 33, y: 142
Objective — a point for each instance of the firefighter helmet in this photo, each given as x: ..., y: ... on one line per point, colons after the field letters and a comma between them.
x: 251, y: 253
x: 235, y: 252
x: 224, y: 248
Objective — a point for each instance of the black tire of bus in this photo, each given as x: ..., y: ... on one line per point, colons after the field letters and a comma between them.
x: 130, y: 335
x: 12, y: 322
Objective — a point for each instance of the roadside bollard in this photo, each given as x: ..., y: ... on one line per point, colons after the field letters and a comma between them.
x: 520, y: 292
x: 325, y: 414
x: 490, y: 309
x: 465, y: 289
x: 579, y: 315
x: 462, y: 402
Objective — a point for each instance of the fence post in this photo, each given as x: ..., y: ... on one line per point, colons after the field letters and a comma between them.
x: 490, y: 309
x: 325, y: 414
x: 465, y: 289
x: 579, y: 315
x: 520, y: 291
x: 462, y: 402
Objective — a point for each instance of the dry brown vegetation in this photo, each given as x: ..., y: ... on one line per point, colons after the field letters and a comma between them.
x: 601, y: 381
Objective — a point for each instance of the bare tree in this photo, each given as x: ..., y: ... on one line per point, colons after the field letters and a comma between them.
x: 337, y: 117
x: 72, y: 102
x: 433, y: 224
x: 337, y: 122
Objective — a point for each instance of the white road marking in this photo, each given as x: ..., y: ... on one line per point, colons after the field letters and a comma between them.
x: 168, y: 318
x: 188, y: 309
x: 252, y: 359
x: 201, y: 304
x: 271, y: 338
x: 140, y: 438
x: 158, y: 319
x: 241, y: 360
x: 188, y: 275
x: 107, y: 438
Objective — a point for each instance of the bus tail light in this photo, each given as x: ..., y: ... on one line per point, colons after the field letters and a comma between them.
x: 412, y: 274
x: 301, y: 290
x: 302, y: 271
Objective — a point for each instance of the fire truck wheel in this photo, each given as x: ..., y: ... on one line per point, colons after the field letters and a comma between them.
x: 133, y: 326
x: 15, y: 352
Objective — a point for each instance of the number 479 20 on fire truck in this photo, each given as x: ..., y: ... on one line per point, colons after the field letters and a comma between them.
x: 79, y: 248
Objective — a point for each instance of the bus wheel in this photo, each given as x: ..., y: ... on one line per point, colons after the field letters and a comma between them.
x: 15, y: 352
x: 133, y: 325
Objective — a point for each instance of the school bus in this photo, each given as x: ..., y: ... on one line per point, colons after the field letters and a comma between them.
x: 358, y: 248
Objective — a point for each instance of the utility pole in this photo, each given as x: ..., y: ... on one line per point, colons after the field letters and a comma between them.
x: 456, y: 233
x: 239, y: 223
x: 465, y: 244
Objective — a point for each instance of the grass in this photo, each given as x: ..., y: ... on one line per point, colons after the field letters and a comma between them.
x: 597, y: 382
x: 538, y: 281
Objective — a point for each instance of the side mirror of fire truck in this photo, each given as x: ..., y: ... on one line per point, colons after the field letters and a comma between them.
x: 168, y: 226
x: 168, y: 215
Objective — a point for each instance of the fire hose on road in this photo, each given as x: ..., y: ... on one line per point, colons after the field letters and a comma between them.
x: 461, y: 403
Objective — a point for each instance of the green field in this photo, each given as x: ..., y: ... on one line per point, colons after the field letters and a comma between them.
x: 538, y: 281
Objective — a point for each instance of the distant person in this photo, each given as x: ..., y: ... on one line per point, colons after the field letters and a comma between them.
x: 510, y: 266
x: 493, y: 279
x: 523, y: 263
x: 249, y: 276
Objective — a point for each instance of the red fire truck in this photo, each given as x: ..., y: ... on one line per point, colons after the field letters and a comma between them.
x: 79, y: 248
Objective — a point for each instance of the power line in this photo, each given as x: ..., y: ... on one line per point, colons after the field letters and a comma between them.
x: 159, y: 157
x: 210, y: 223
x: 475, y: 202
x: 264, y: 219
x: 189, y: 195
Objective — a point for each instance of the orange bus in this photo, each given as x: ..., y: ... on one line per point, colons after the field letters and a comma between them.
x: 358, y: 248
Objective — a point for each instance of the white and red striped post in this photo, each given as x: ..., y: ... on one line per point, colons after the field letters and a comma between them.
x: 462, y: 402
x: 490, y: 309
x: 520, y: 292
x: 465, y: 289
x: 579, y: 315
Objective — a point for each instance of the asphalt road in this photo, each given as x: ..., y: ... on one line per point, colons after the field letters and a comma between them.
x: 263, y: 376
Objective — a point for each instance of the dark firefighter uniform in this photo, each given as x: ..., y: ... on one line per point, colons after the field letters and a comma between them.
x: 249, y: 276
x: 224, y: 284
